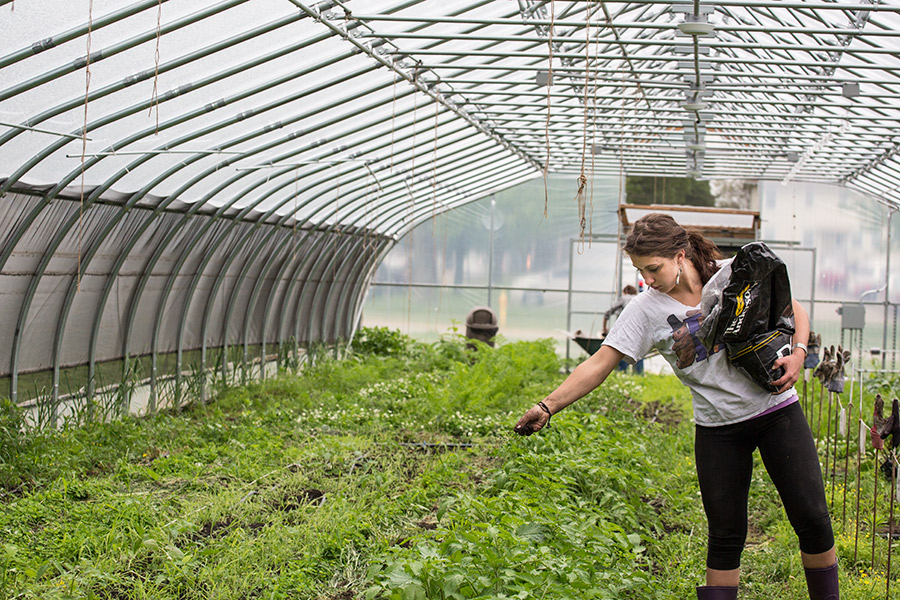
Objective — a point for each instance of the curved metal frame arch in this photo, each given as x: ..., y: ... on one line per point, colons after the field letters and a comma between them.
x: 136, y: 197
x: 358, y: 223
x: 264, y: 218
x: 322, y: 247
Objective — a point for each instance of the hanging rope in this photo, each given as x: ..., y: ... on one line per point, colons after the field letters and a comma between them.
x: 593, y: 137
x: 415, y: 122
x: 87, y: 89
x: 365, y: 227
x: 547, y: 123
x: 393, y: 120
x: 154, y: 97
x: 337, y: 224
x: 437, y: 106
x: 294, y: 224
x: 580, y: 196
x: 412, y: 200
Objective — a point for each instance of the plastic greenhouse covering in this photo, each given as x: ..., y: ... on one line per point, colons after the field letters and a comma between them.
x: 223, y: 178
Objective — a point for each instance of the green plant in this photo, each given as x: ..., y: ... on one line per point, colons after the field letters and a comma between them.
x: 12, y: 430
x: 392, y: 476
x: 380, y: 341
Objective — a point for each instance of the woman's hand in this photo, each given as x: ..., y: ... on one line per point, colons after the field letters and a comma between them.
x: 532, y: 421
x: 793, y: 366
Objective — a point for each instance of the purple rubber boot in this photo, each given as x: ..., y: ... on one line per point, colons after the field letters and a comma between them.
x: 823, y: 583
x: 717, y: 592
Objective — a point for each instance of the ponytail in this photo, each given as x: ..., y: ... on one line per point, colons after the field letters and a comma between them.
x: 703, y: 254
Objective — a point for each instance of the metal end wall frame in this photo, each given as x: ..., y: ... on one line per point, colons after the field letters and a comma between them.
x: 239, y: 187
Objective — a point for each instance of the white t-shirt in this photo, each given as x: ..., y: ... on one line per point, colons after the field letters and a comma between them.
x: 722, y: 394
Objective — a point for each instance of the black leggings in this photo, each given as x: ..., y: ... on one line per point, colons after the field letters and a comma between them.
x: 724, y: 458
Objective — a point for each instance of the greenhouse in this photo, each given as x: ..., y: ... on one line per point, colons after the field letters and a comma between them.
x: 244, y: 245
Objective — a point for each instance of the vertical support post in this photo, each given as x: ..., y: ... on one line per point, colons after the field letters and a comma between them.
x: 569, y: 297
x: 887, y: 287
x: 490, y: 282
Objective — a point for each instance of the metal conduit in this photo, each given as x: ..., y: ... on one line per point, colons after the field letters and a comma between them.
x: 145, y: 105
x: 109, y: 51
x: 61, y: 38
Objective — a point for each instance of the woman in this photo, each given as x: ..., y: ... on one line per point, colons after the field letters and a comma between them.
x: 733, y: 415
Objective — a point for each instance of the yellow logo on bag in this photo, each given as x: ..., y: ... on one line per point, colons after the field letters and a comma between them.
x: 741, y: 305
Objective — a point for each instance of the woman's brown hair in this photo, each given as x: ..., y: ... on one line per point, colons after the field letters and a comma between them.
x: 657, y: 234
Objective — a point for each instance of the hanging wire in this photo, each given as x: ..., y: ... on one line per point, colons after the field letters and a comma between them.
x: 581, y: 194
x: 547, y: 123
x: 366, y: 220
x: 87, y: 89
x: 411, y: 203
x: 444, y: 218
x: 393, y: 120
x: 437, y: 107
x: 337, y: 224
x: 154, y: 97
x: 294, y: 224
x: 593, y: 134
x: 412, y: 170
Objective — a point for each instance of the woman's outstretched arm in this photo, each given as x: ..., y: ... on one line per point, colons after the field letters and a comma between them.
x: 584, y: 379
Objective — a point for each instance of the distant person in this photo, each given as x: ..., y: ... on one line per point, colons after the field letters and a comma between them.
x: 733, y: 414
x: 629, y: 292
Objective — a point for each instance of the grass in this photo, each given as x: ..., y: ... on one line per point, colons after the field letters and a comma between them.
x: 393, y: 474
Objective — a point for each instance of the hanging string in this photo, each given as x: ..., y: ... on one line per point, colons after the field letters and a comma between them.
x: 409, y: 275
x: 337, y: 225
x: 547, y: 123
x: 444, y: 218
x: 366, y: 220
x: 393, y: 121
x: 616, y: 282
x: 593, y: 138
x: 411, y: 204
x: 154, y: 97
x: 412, y: 173
x: 87, y: 89
x: 437, y: 107
x: 580, y: 196
x: 294, y: 224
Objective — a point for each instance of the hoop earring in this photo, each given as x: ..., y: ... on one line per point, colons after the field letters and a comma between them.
x: 678, y: 277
